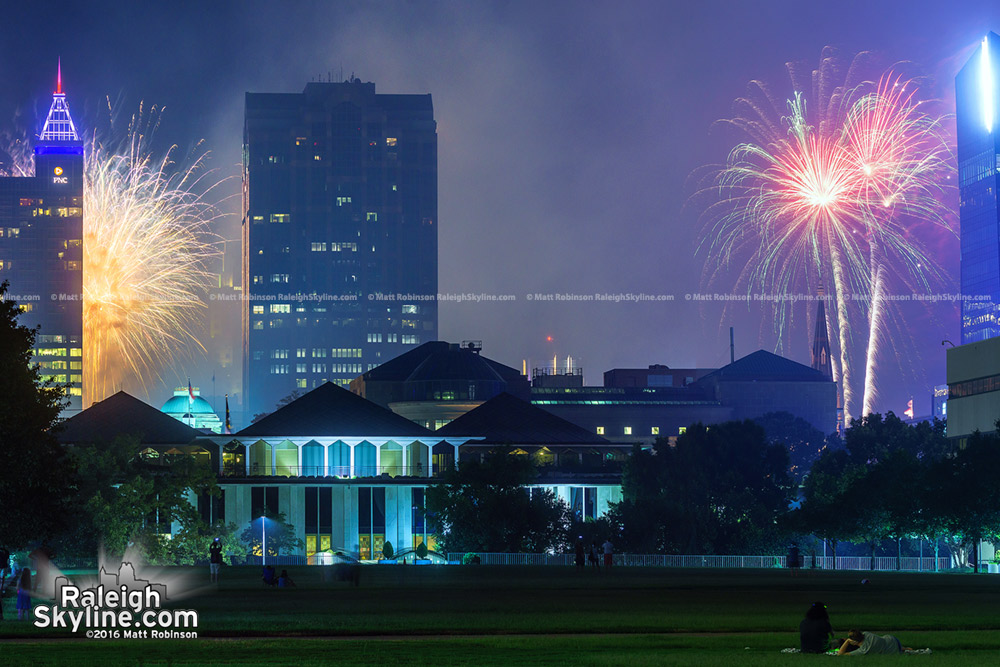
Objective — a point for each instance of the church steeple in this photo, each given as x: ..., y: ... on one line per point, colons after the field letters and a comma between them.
x: 821, y: 342
x: 58, y: 124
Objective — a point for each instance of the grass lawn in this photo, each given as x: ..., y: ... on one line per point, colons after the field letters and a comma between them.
x: 544, y: 615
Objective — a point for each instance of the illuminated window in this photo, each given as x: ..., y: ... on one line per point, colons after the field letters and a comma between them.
x: 628, y: 430
x: 76, y: 365
x: 26, y: 307
x: 318, y: 247
x: 682, y: 430
x: 279, y: 277
x: 279, y: 354
x: 372, y: 216
x: 600, y: 430
x: 281, y: 308
x: 319, y: 368
x: 257, y: 219
x: 5, y: 264
x: 258, y: 325
x: 319, y: 352
x: 258, y: 310
x: 76, y: 378
x: 410, y: 339
x: 279, y: 369
x: 343, y: 200
x: 409, y: 309
x: 74, y: 265
x: 276, y: 323
x: 390, y: 141
x: 317, y: 158
x: 300, y: 141
x: 75, y: 391
x: 301, y: 368
x: 281, y: 218
x: 14, y: 232
x: 655, y: 430
x: 52, y: 352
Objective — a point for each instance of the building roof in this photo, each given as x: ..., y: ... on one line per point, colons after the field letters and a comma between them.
x: 506, y: 419
x: 123, y: 414
x: 763, y: 365
x: 179, y: 405
x: 440, y: 360
x: 331, y: 410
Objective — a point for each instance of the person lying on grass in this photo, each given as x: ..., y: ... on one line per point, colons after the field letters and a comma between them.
x: 866, y: 643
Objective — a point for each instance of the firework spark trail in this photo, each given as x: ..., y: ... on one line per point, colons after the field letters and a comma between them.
x: 809, y: 202
x: 146, y: 250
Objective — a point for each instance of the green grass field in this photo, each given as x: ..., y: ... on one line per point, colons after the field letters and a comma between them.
x: 546, y: 616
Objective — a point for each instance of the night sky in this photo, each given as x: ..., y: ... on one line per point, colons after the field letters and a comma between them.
x: 567, y: 135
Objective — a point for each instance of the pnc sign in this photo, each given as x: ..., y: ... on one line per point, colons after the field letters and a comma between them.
x: 58, y: 177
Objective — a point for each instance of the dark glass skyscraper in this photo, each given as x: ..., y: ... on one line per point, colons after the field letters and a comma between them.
x: 339, y: 235
x: 41, y: 248
x: 976, y: 106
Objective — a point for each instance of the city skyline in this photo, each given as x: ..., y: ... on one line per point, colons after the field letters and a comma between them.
x: 540, y: 192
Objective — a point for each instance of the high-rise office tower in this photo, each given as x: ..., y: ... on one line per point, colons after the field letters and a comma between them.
x: 41, y: 247
x: 976, y: 104
x: 339, y: 235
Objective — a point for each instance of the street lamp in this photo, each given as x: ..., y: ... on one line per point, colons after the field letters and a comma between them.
x: 263, y: 539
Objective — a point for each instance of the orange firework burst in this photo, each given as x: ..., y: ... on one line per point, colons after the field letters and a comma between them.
x: 147, y: 246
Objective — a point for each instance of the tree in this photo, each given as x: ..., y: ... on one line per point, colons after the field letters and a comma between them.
x: 803, y: 441
x: 387, y: 551
x: 965, y: 493
x: 125, y: 499
x: 279, y: 534
x: 486, y: 506
x: 826, y: 492
x: 719, y: 490
x: 37, y: 484
x: 877, y: 487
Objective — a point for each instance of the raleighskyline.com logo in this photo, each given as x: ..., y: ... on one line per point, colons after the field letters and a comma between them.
x: 118, y: 607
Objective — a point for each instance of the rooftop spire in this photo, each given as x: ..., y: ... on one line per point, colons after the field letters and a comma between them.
x: 59, y: 125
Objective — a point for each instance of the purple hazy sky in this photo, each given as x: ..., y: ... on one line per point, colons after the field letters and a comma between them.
x: 567, y: 133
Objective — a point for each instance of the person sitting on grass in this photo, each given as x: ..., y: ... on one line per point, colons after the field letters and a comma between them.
x: 815, y: 630
x: 284, y: 581
x: 268, y: 578
x: 867, y: 643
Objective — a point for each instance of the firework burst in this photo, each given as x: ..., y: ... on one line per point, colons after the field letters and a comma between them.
x: 830, y: 199
x: 146, y: 245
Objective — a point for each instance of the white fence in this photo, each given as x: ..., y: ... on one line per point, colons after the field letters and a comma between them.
x: 909, y: 564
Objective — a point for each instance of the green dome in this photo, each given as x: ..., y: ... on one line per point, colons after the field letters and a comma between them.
x: 178, y: 405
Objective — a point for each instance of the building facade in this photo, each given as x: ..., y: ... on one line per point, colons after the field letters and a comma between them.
x: 976, y: 108
x: 350, y: 475
x: 973, y: 388
x: 41, y: 248
x: 339, y: 235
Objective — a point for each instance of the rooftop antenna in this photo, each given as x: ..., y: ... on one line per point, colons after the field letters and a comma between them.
x: 59, y: 76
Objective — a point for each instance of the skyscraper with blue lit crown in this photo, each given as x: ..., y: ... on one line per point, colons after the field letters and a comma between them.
x: 976, y: 107
x: 41, y: 247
